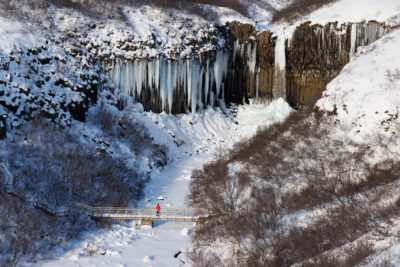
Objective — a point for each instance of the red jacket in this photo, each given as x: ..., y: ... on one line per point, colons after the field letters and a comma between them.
x: 158, y: 207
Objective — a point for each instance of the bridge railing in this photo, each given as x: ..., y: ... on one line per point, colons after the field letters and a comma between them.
x: 165, y: 213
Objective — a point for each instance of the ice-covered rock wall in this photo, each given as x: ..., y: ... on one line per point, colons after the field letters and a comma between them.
x: 173, y: 86
x: 316, y: 54
x: 262, y: 66
x: 279, y: 89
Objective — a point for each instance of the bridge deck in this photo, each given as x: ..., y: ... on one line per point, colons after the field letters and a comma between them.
x: 123, y: 213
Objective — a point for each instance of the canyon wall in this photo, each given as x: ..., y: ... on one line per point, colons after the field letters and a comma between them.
x: 298, y: 68
x: 256, y: 65
x: 316, y: 54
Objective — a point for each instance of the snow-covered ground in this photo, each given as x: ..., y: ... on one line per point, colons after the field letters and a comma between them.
x: 11, y: 33
x: 366, y: 94
x: 193, y: 140
x: 343, y: 11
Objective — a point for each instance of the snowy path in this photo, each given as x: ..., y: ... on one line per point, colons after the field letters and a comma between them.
x: 202, y: 135
x: 172, y: 183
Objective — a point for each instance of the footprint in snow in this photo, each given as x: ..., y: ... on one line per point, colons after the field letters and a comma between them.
x: 148, y: 258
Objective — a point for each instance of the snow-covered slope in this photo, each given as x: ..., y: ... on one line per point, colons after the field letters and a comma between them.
x: 259, y: 12
x: 387, y: 11
x: 366, y: 95
x: 145, y: 32
x: 13, y: 33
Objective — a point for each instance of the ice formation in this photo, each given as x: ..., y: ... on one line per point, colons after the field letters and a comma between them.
x: 279, y: 89
x: 353, y: 38
x: 187, y: 84
x: 200, y: 83
x: 364, y: 34
x: 252, y: 57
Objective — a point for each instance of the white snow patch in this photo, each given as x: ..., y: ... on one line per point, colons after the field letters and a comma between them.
x: 148, y: 258
x: 13, y: 33
x: 366, y: 94
x: 185, y: 231
x: 356, y: 11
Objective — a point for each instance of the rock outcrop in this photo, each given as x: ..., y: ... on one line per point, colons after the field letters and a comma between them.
x: 316, y: 54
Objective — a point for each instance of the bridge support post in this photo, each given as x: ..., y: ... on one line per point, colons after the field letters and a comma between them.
x: 146, y: 222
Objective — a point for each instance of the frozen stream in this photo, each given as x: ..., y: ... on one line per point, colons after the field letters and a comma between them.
x: 199, y: 137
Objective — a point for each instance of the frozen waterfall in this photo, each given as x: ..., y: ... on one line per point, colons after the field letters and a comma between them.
x: 170, y: 82
x: 279, y: 89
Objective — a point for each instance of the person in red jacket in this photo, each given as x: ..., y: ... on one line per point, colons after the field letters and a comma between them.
x: 158, y: 209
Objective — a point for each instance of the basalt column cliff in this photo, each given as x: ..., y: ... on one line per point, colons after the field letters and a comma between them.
x: 295, y: 65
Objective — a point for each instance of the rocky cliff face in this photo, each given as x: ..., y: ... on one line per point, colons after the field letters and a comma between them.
x: 300, y: 67
x: 254, y: 65
x: 316, y: 54
x: 254, y: 60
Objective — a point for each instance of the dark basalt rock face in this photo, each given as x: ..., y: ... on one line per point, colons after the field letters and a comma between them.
x: 257, y: 81
x: 316, y: 54
x: 313, y: 57
x: 3, y: 126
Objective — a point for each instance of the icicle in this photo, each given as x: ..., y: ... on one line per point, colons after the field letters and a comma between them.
x: 199, y: 88
x: 157, y: 74
x: 251, y: 57
x: 257, y: 82
x: 206, y: 82
x: 164, y: 82
x: 212, y: 99
x: 236, y: 48
x: 217, y: 74
x: 189, y: 81
x: 150, y: 75
x: 183, y: 75
x: 140, y: 75
x: 353, y: 39
x: 164, y: 77
x: 279, y: 89
x: 170, y: 86
x: 220, y: 70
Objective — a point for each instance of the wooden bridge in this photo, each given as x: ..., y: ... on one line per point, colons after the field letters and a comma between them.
x: 145, y: 215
